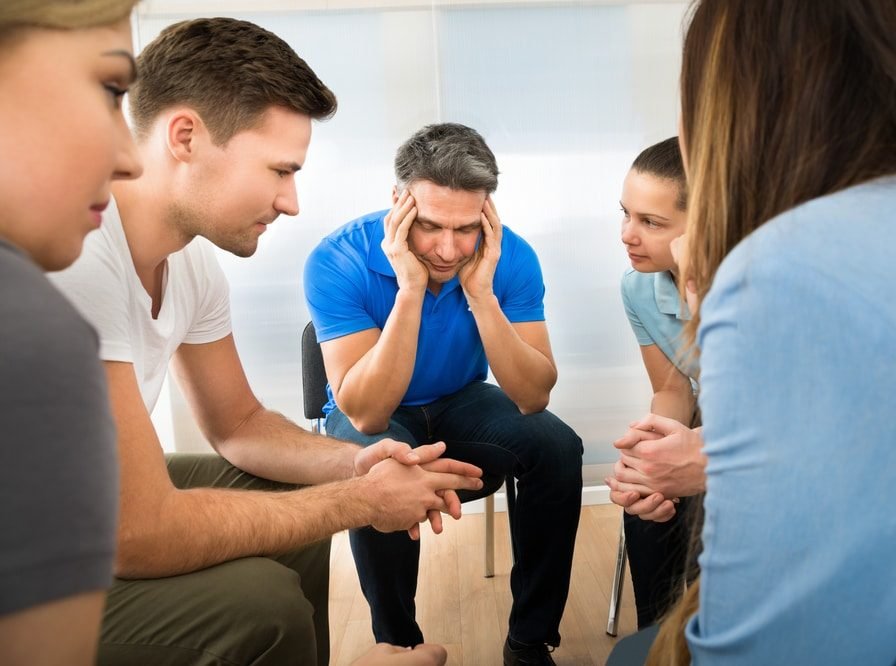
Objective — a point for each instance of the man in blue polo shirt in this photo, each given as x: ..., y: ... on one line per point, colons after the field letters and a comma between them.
x: 412, y: 307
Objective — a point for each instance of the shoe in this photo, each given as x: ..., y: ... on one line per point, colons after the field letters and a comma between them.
x: 527, y: 655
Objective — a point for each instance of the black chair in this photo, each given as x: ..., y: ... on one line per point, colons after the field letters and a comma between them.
x: 314, y: 397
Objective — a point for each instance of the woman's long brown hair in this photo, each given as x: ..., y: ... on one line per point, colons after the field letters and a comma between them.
x: 783, y: 101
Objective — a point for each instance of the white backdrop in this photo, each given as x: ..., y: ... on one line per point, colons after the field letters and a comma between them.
x: 565, y: 93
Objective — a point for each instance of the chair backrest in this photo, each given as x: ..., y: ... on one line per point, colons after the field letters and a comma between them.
x: 314, y: 377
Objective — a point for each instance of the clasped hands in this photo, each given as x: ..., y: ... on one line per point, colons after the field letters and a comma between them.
x: 409, y: 478
x: 660, y: 460
x: 477, y: 272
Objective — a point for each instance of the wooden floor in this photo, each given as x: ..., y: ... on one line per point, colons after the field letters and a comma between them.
x: 467, y: 613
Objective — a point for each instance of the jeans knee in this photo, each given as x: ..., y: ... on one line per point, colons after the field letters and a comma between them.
x: 561, y: 445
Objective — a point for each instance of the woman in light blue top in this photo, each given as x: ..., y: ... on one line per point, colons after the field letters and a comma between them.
x: 789, y: 136
x: 653, y: 203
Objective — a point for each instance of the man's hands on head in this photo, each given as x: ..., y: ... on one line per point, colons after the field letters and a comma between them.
x: 372, y: 460
x: 409, y: 270
x: 660, y: 459
x: 478, y: 274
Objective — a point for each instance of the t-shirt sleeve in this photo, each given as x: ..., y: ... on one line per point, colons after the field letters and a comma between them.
x: 59, y: 494
x: 334, y: 290
x: 519, y: 282
x: 97, y: 286
x: 212, y: 320
x: 638, y: 328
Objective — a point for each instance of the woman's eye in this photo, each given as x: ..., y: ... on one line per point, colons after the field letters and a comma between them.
x: 115, y: 92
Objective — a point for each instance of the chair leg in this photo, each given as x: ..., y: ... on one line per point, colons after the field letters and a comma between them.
x: 618, y: 579
x: 510, y: 493
x: 490, y: 536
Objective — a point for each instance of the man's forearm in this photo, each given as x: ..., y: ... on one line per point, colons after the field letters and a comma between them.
x: 201, y: 527
x: 523, y: 372
x: 270, y: 446
x: 374, y: 387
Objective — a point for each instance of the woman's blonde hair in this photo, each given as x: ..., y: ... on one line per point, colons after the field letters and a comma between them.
x: 61, y: 14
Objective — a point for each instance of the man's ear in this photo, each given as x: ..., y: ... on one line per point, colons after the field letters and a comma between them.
x: 184, y: 131
x: 395, y: 194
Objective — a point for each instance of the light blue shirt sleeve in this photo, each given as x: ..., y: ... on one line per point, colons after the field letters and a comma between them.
x: 798, y: 385
x: 634, y: 320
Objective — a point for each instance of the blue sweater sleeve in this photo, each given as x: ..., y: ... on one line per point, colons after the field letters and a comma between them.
x: 795, y: 567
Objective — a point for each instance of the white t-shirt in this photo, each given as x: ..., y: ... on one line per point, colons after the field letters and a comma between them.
x: 104, y: 287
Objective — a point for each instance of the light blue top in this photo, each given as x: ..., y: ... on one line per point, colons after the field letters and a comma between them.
x: 657, y: 315
x: 350, y: 286
x: 799, y: 411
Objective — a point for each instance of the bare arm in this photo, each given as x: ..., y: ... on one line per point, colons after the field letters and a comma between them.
x: 255, y: 439
x: 370, y: 371
x: 673, y: 395
x: 64, y: 632
x: 165, y: 531
x: 518, y: 354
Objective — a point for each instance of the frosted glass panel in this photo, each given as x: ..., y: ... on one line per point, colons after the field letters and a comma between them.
x: 565, y: 95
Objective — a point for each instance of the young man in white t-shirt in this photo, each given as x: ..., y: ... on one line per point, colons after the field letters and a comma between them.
x: 222, y: 114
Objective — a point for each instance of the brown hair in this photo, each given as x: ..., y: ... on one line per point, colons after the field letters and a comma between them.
x: 229, y: 71
x: 782, y: 101
x: 60, y: 14
x: 663, y: 160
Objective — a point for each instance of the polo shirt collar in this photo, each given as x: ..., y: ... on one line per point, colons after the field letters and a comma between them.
x: 376, y: 258
x: 378, y: 262
x: 666, y: 294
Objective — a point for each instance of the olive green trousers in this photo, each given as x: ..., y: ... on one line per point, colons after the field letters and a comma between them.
x: 255, y: 610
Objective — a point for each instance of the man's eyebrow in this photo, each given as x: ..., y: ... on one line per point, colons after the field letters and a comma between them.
x: 471, y: 225
x: 129, y: 57
x: 287, y: 166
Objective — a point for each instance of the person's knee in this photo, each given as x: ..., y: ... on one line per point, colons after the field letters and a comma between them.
x: 267, y: 596
x: 559, y: 446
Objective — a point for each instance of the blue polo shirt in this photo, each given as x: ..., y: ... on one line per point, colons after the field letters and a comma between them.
x: 657, y: 315
x: 350, y: 287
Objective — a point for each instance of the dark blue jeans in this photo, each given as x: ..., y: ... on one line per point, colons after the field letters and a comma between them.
x: 481, y: 425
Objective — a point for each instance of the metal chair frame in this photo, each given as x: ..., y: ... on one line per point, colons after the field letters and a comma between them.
x: 618, y: 580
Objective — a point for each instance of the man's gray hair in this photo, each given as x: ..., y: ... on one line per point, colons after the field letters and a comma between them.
x: 450, y: 155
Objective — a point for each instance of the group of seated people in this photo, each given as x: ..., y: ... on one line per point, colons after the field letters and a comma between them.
x: 760, y: 248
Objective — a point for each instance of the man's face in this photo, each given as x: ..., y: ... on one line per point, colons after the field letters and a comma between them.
x: 241, y: 187
x: 651, y: 219
x: 444, y: 234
